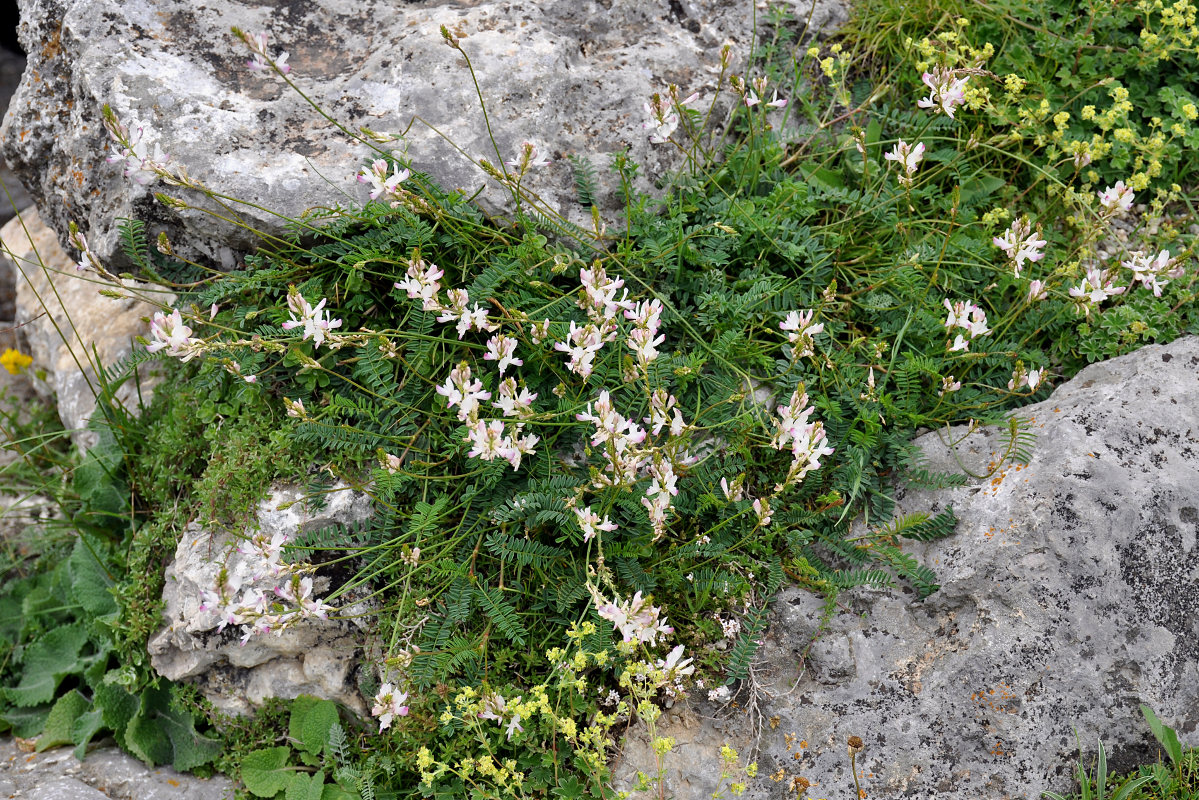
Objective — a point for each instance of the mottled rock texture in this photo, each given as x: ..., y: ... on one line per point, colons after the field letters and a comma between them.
x: 314, y: 656
x: 105, y: 773
x: 571, y: 76
x: 66, y: 324
x: 1069, y: 596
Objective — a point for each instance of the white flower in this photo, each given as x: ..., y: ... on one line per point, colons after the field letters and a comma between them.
x: 800, y: 332
x: 315, y: 320
x: 907, y: 156
x: 382, y: 183
x: 260, y: 62
x: 502, y: 349
x: 591, y: 523
x: 171, y: 334
x: 389, y: 704
x: 527, y: 158
x: 1021, y: 244
x: 947, y: 92
x: 1116, y: 197
x: 674, y: 665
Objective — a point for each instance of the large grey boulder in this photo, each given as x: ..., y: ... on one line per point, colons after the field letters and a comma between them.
x: 313, y: 656
x: 1069, y: 596
x: 66, y: 324
x: 570, y: 76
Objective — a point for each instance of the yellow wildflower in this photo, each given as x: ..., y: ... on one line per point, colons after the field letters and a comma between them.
x: 15, y: 361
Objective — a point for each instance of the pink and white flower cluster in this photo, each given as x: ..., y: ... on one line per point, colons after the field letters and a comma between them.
x: 314, y: 319
x: 382, y: 184
x: 261, y: 593
x: 1021, y: 244
x: 1021, y: 377
x: 1116, y: 198
x: 800, y: 332
x: 1149, y: 270
x: 495, y: 707
x: 946, y: 91
x: 635, y: 618
x: 170, y: 334
x: 1097, y: 286
x: 592, y: 524
x: 643, y: 340
x: 489, y: 439
x: 749, y: 94
x: 663, y: 115
x: 806, y: 440
x: 907, y: 156
x: 422, y: 281
x: 964, y: 314
x: 142, y: 165
x: 627, y: 458
x: 389, y: 704
x: 261, y: 58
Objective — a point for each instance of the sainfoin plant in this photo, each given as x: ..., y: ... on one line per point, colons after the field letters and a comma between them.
x: 595, y: 456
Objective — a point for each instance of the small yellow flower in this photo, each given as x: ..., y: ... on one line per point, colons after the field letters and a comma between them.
x: 15, y: 361
x: 1189, y: 111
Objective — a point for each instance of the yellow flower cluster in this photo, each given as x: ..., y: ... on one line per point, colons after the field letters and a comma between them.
x: 14, y: 361
x: 1176, y: 31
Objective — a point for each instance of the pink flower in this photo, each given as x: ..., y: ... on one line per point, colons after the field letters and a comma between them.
x: 389, y: 704
x: 314, y: 319
x: 947, y: 92
x: 1116, y: 197
x: 382, y: 183
x: 171, y: 334
x: 502, y: 349
x: 527, y: 158
x: 591, y: 523
x: 260, y: 62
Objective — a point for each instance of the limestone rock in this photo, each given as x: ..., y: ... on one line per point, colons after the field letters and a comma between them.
x: 570, y: 76
x: 312, y: 656
x: 1069, y: 596
x: 106, y: 774
x: 55, y: 300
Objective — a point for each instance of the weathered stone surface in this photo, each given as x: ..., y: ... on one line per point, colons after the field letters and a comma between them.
x: 313, y: 656
x: 64, y: 789
x: 122, y: 777
x: 13, y: 197
x: 106, y: 773
x: 570, y: 76
x: 1069, y: 595
x: 54, y: 301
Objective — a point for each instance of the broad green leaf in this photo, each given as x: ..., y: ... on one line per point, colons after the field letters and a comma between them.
x: 191, y: 748
x: 265, y: 772
x: 46, y: 662
x: 26, y: 722
x: 334, y: 792
x: 311, y: 719
x: 147, y: 741
x: 62, y: 717
x: 117, y: 707
x: 305, y: 787
x: 90, y: 583
x: 86, y: 726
